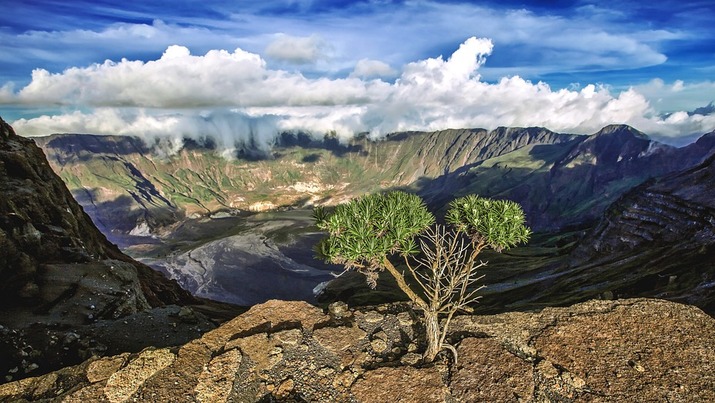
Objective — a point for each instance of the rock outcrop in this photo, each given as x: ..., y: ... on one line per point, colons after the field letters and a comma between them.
x: 58, y: 273
x: 41, y: 223
x: 626, y: 350
x: 656, y: 240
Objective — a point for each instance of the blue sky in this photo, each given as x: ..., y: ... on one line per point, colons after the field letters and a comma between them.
x: 217, y: 68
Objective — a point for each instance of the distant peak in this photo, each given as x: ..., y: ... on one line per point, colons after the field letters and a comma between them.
x: 707, y: 139
x: 704, y: 110
x: 621, y: 131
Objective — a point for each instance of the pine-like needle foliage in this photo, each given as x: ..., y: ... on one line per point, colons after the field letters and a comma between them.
x: 363, y: 232
x: 498, y: 224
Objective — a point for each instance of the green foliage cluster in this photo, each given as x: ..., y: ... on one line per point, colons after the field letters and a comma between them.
x: 498, y: 224
x: 365, y: 232
x: 362, y: 232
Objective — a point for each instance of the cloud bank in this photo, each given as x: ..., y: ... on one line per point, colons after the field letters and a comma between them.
x: 297, y: 50
x: 235, y: 98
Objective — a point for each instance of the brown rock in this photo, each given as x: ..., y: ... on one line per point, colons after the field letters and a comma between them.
x: 401, y: 384
x: 215, y: 381
x: 622, y: 350
x: 125, y: 382
x: 103, y: 368
x: 178, y: 380
x: 345, y: 342
x: 487, y: 372
x: 642, y: 350
x: 272, y: 315
x: 285, y: 389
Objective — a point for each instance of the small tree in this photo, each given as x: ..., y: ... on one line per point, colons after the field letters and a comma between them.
x: 364, y: 233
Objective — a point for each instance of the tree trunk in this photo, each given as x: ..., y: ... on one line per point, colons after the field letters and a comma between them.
x: 432, y: 335
x: 403, y: 285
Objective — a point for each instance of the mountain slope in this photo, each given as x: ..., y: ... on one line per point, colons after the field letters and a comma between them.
x: 657, y: 240
x: 567, y: 184
x: 121, y: 182
x: 60, y: 279
x: 662, y: 234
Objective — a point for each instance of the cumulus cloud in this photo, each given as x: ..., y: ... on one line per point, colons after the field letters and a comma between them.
x: 236, y: 99
x: 366, y: 68
x: 678, y: 95
x: 298, y: 50
x: 181, y: 80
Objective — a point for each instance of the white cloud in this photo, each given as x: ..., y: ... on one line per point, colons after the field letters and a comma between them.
x: 678, y: 95
x: 535, y: 43
x: 366, y: 68
x: 234, y: 97
x: 7, y: 94
x: 181, y: 80
x: 298, y: 50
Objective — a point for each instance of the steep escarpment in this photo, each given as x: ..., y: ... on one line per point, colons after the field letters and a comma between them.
x: 663, y: 235
x: 126, y: 185
x: 43, y: 224
x: 657, y: 240
x: 627, y: 350
x: 571, y: 183
x: 59, y: 276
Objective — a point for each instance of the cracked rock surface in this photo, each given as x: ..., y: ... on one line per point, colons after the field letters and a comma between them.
x: 601, y: 351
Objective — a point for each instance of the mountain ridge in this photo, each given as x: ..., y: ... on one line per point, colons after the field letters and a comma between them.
x: 155, y: 189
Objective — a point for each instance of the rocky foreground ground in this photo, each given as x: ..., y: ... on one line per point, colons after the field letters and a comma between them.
x: 601, y: 351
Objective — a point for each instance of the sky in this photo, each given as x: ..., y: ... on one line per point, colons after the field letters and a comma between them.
x: 244, y: 71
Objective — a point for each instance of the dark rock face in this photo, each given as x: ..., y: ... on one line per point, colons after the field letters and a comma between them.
x: 570, y: 180
x: 57, y: 270
x: 627, y: 350
x: 41, y: 223
x: 664, y: 231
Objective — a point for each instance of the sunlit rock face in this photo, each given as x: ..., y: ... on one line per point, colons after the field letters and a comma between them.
x: 633, y: 350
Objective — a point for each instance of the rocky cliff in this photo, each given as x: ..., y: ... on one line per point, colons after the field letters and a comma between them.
x: 59, y: 276
x: 41, y: 224
x: 661, y: 235
x: 122, y: 182
x: 656, y: 240
x: 606, y: 351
